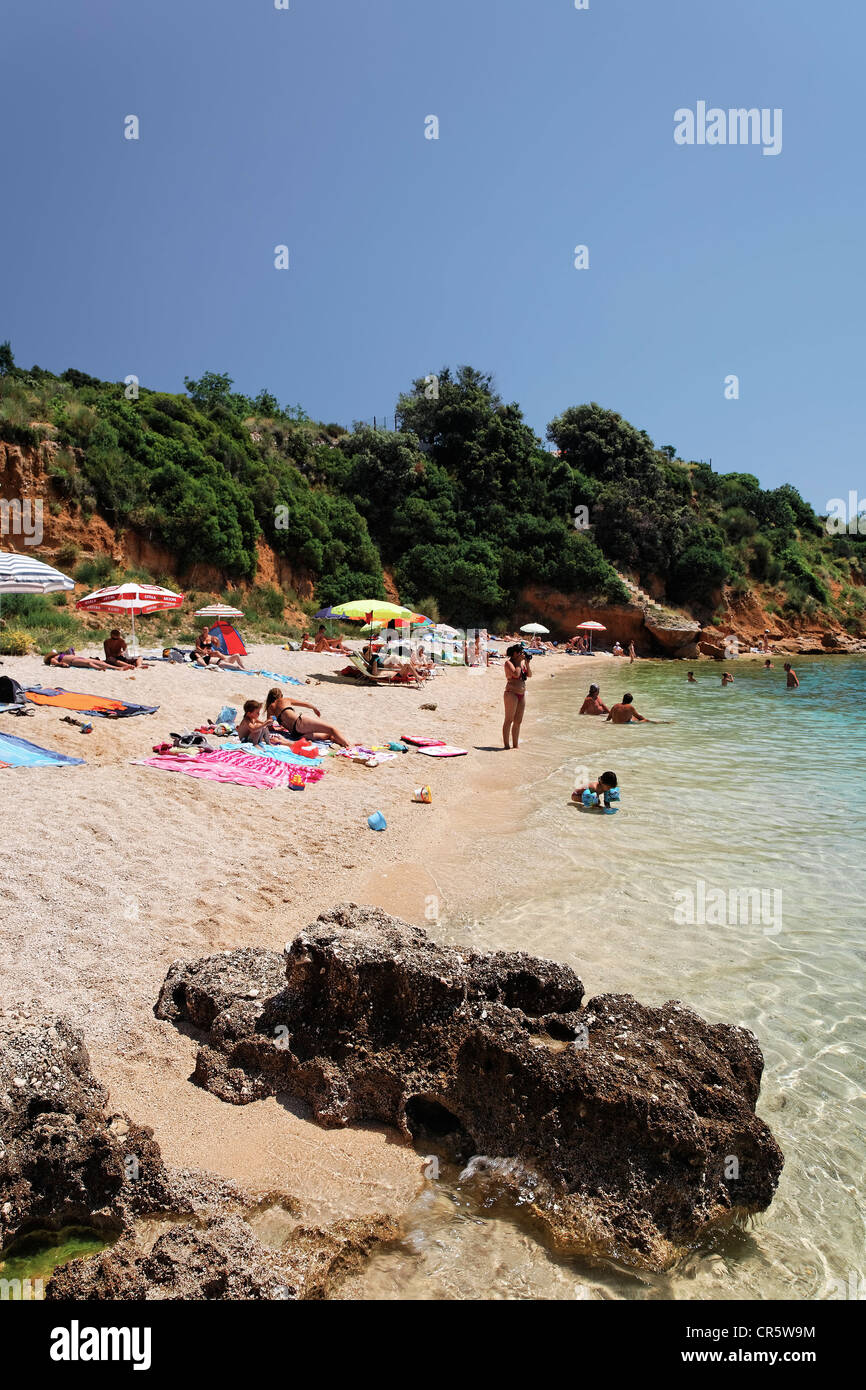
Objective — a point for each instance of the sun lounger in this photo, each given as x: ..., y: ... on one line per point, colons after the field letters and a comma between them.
x: 387, y: 677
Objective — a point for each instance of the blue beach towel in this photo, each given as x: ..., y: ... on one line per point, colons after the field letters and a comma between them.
x: 273, y: 750
x: 18, y: 752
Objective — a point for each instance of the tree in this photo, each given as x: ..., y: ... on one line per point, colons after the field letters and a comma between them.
x: 214, y: 388
x: 7, y: 361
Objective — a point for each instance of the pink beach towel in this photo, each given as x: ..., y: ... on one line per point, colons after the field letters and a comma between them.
x: 244, y: 769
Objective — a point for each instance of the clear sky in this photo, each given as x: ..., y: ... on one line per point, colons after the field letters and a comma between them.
x: 306, y: 127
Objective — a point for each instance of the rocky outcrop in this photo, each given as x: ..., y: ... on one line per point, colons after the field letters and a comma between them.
x: 64, y: 1161
x: 223, y: 1259
x: 624, y: 1130
x: 670, y: 634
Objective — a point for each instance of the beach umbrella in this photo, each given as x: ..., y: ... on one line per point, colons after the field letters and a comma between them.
x: 24, y: 574
x: 534, y: 627
x: 218, y: 610
x: 591, y: 627
x: 372, y: 610
x: 132, y: 599
x: 443, y: 630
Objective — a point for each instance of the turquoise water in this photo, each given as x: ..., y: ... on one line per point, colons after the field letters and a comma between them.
x: 752, y: 787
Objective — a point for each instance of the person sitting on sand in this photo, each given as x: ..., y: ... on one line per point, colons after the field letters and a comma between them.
x: 617, y: 649
x: 252, y: 729
x: 117, y: 652
x: 69, y: 660
x: 625, y: 712
x: 727, y: 678
x: 207, y: 653
x: 593, y: 704
x: 324, y: 643
x: 691, y: 678
x: 606, y: 783
x: 793, y: 679
x: 284, y: 717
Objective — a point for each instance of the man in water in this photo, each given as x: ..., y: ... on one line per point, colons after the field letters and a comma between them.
x: 727, y: 678
x: 692, y: 678
x: 593, y: 704
x: 793, y: 680
x: 625, y: 712
x: 768, y: 665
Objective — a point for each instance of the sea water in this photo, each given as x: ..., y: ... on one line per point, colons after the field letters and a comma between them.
x: 732, y: 878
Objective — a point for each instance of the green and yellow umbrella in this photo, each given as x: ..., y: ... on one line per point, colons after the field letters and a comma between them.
x: 374, y: 610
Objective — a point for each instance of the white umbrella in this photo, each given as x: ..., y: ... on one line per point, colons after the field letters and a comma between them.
x: 534, y: 627
x: 443, y: 630
x: 218, y: 610
x: 131, y: 599
x: 24, y: 574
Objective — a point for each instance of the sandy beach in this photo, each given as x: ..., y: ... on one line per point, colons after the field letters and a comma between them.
x: 111, y: 871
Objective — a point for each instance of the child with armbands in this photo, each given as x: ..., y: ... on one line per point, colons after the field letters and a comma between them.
x: 600, y: 793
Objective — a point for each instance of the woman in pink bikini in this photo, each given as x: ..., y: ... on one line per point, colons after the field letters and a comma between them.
x: 517, y: 673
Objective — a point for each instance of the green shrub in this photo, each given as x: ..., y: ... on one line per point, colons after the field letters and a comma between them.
x: 97, y: 573
x: 67, y: 554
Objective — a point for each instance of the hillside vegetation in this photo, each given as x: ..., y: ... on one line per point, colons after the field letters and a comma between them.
x: 462, y: 503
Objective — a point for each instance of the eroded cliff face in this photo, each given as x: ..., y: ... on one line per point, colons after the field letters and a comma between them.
x: 625, y: 1130
x: 24, y: 473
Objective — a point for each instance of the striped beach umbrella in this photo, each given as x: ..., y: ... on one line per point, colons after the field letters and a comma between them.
x: 130, y: 598
x: 24, y: 574
x: 218, y: 610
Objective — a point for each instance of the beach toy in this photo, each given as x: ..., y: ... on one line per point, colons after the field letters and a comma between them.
x: 305, y: 749
x: 377, y: 821
x: 296, y: 782
x: 396, y: 746
x: 423, y: 794
x: 589, y: 798
x: 87, y: 728
x: 612, y: 795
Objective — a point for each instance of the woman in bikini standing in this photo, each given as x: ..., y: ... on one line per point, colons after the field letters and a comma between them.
x: 517, y: 672
x: 285, y: 714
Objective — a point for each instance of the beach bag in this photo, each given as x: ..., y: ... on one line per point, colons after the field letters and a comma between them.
x: 11, y: 693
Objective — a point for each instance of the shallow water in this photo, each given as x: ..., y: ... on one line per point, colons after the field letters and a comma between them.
x: 752, y: 787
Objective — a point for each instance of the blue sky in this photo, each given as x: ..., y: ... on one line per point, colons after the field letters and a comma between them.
x: 305, y: 127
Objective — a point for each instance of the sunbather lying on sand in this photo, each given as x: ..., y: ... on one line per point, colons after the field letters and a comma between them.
x: 283, y: 716
x: 65, y: 659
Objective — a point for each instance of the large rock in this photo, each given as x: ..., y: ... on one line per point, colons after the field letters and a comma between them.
x: 671, y: 634
x: 64, y: 1160
x: 626, y: 1130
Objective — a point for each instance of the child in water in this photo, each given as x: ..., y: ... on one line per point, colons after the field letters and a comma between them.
x: 606, y: 783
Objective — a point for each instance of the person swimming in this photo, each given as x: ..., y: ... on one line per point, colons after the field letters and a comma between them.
x: 593, y: 704
x: 691, y: 678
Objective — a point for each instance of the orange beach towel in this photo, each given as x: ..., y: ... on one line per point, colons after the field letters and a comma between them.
x: 68, y: 699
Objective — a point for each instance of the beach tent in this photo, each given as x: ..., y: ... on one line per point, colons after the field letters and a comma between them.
x: 228, y: 639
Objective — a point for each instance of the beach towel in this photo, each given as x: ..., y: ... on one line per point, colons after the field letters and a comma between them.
x: 444, y: 750
x: 235, y: 765
x: 86, y: 704
x: 423, y: 742
x: 17, y: 752
x: 279, y: 752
